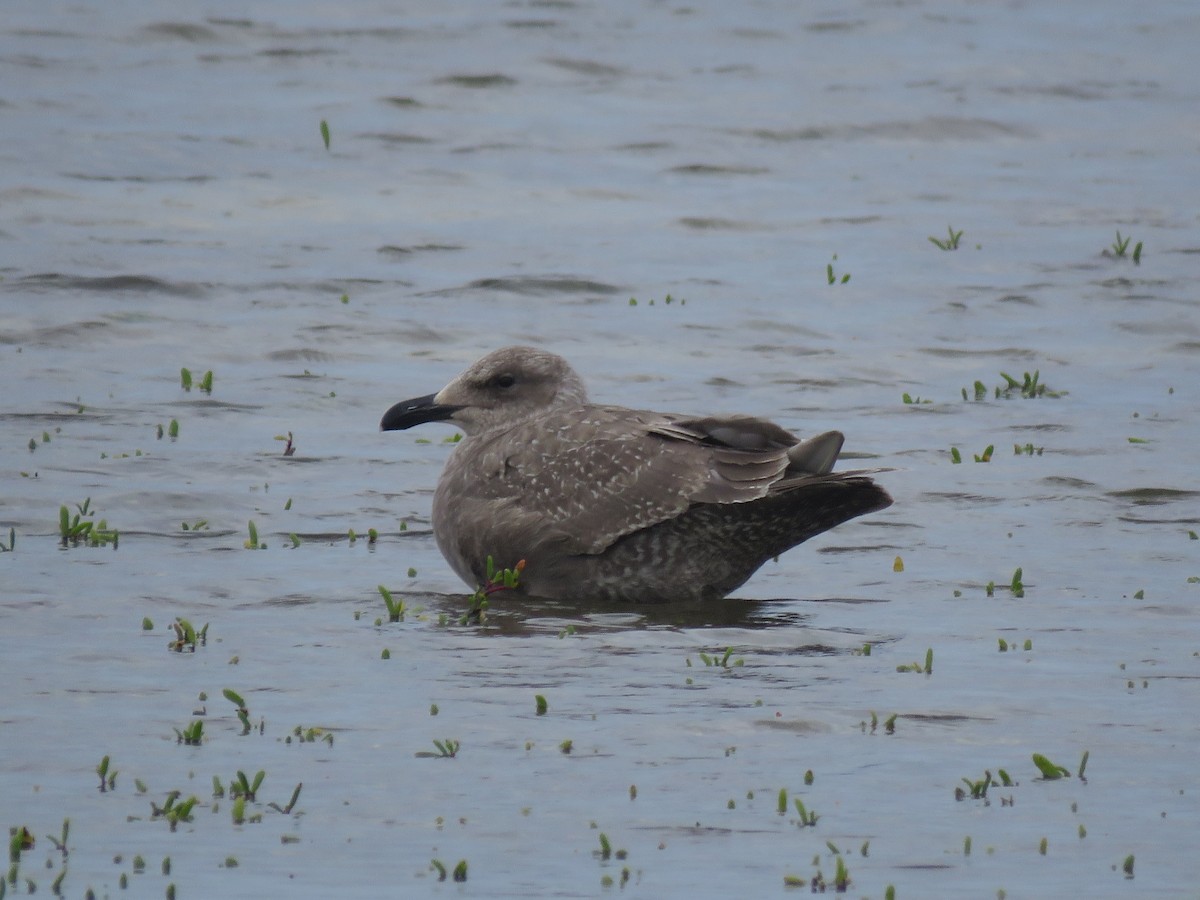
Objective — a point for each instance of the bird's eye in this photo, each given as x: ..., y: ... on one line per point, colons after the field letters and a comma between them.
x: 505, y: 381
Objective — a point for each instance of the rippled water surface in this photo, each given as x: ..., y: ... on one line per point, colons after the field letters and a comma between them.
x: 517, y: 172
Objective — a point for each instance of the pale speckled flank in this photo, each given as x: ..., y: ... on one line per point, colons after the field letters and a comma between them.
x: 608, y: 503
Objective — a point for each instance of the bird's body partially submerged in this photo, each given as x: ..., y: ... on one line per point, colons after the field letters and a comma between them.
x: 608, y: 503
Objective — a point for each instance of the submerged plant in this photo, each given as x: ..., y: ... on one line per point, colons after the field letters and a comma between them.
x: 243, y: 714
x: 951, y: 240
x: 186, y: 636
x: 396, y: 608
x: 81, y: 529
x: 831, y: 277
x: 241, y: 786
x: 1049, y: 770
x: 1121, y: 245
x: 927, y: 669
x: 496, y: 581
x: 722, y: 661
x: 108, y: 778
x: 252, y: 542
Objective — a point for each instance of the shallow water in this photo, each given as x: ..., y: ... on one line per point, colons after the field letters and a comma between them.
x: 517, y: 172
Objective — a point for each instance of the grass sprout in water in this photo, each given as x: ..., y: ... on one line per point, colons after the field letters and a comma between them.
x: 950, y: 242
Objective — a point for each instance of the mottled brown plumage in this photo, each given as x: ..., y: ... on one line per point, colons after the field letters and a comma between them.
x: 608, y: 503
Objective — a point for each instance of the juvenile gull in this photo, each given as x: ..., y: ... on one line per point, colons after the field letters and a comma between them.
x: 607, y: 503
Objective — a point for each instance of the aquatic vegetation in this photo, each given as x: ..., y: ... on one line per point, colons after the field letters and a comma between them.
x: 1120, y: 246
x: 191, y: 734
x: 831, y: 277
x: 926, y: 669
x: 174, y: 812
x: 186, y: 382
x: 1049, y: 770
x: 291, y: 804
x: 722, y: 661
x: 108, y: 779
x: 898, y: 564
x: 909, y: 399
x: 1029, y: 387
x: 808, y: 818
x: 566, y: 747
x: 955, y: 456
x: 79, y: 528
x: 396, y: 608
x: 495, y: 581
x: 950, y: 242
x: 241, y: 786
x: 460, y: 871
x: 1028, y: 450
x: 186, y: 636
x: 243, y: 713
x: 1127, y: 866
x: 195, y: 526
x: 252, y: 542
x: 60, y: 844
x: 288, y: 450
x: 325, y: 133
x: 976, y: 789
x: 438, y: 866
x: 447, y: 749
x: 986, y: 455
x: 1016, y: 585
x: 541, y: 705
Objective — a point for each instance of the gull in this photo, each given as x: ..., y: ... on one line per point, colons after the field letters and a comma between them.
x: 605, y: 503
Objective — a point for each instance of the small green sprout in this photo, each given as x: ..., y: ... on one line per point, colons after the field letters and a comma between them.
x: 241, y: 786
x: 396, y: 608
x: 927, y: 669
x: 566, y: 747
x: 1127, y: 866
x: 287, y: 810
x: 781, y: 805
x: 447, y: 749
x: 951, y: 240
x: 252, y: 543
x: 541, y: 705
x: 243, y: 714
x: 605, y: 851
x: 325, y: 133
x: 108, y: 779
x: 831, y: 276
x: 1017, y: 586
x: 191, y: 734
x: 439, y: 867
x: 1050, y: 771
x: 808, y: 818
x: 986, y: 455
x: 495, y: 581
x: 1119, y: 247
x: 955, y: 456
x: 185, y: 378
x: 206, y: 383
x: 460, y: 871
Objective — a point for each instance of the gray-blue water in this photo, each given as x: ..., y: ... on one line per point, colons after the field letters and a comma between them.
x: 517, y: 172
